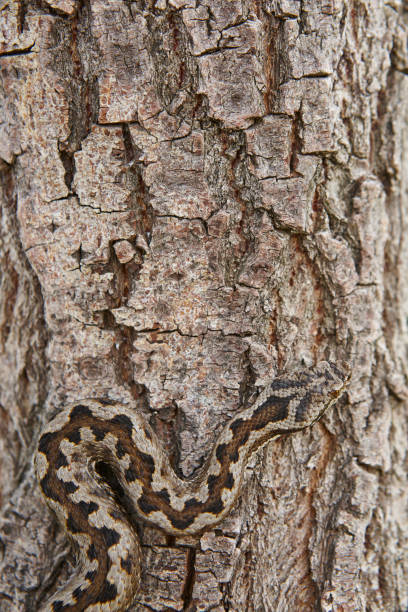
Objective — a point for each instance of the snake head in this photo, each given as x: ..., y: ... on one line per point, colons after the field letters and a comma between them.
x: 322, y: 386
x: 293, y: 403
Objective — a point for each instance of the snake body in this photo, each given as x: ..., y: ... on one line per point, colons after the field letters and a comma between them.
x: 89, y: 432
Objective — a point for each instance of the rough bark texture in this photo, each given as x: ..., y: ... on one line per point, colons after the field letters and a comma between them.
x: 195, y: 196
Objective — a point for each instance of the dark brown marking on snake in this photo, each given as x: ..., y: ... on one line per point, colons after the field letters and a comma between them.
x: 120, y: 450
x: 61, y: 461
x: 234, y: 456
x: 215, y: 507
x: 74, y: 436
x: 164, y: 495
x: 146, y: 505
x: 48, y: 488
x: 69, y: 486
x: 77, y: 592
x: 126, y: 564
x: 98, y: 433
x: 211, y: 483
x: 87, y: 507
x: 130, y: 474
x: 91, y: 552
x: 193, y: 507
x: 229, y: 481
x: 141, y: 466
x: 45, y: 442
x: 110, y: 536
x: 58, y: 606
x: 191, y: 503
x: 302, y: 407
x: 108, y: 592
x: 72, y: 525
x: 148, y: 461
x: 244, y: 437
x: 124, y: 422
x: 236, y: 425
x: 280, y: 384
x: 80, y: 410
x: 91, y: 575
x: 220, y: 451
x: 181, y: 523
x: 272, y: 410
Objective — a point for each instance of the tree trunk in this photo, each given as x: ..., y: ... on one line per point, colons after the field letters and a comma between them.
x: 195, y: 198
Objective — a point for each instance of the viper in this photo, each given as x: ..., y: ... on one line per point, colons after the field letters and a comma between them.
x: 89, y: 434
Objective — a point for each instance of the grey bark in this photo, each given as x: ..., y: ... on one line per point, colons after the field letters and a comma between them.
x: 196, y: 196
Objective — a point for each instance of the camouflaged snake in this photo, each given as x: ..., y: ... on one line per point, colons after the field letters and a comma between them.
x: 92, y: 431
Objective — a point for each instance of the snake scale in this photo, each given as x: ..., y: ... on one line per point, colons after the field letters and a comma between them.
x: 89, y: 432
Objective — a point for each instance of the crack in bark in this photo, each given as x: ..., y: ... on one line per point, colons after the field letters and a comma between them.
x: 187, y: 593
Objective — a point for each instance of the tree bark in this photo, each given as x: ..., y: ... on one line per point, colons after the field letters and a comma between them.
x: 195, y: 197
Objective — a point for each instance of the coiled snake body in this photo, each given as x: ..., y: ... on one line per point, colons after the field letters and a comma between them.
x: 90, y: 431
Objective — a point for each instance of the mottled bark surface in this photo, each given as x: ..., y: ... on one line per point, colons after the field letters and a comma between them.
x: 196, y: 196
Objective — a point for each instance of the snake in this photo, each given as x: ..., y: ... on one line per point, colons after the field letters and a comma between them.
x: 101, y: 523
